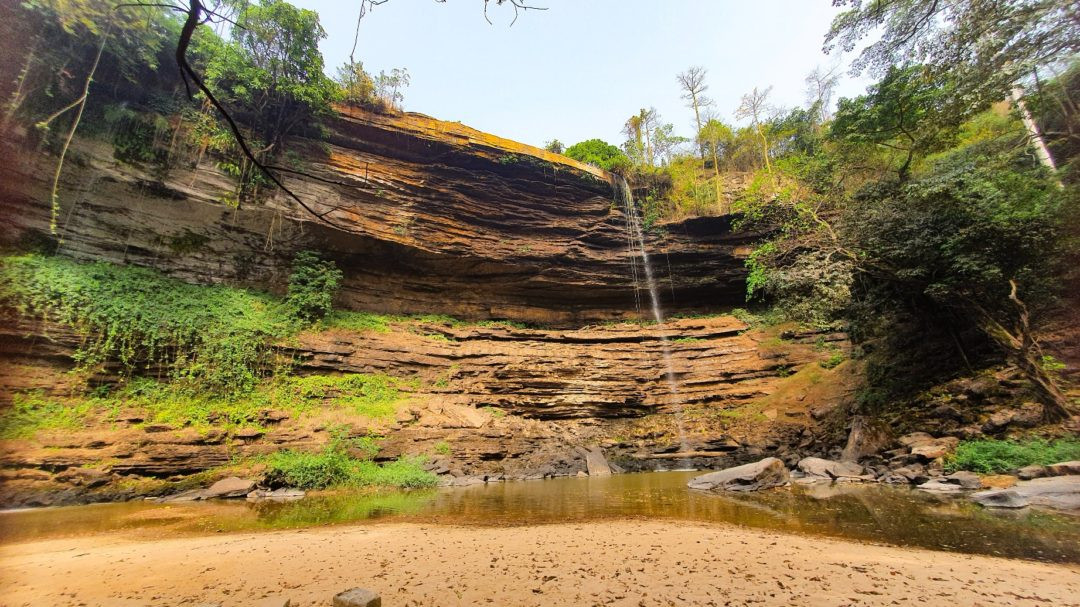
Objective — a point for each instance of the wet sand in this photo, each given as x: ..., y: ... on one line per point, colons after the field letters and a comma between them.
x: 603, y: 563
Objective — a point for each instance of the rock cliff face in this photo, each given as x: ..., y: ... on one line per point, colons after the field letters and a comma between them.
x: 426, y: 216
x: 421, y: 214
x: 509, y: 403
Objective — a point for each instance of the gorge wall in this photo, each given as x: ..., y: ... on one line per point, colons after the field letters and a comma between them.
x: 425, y: 216
x: 421, y: 215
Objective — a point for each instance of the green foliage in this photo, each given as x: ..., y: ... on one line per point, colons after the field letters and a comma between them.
x: 31, y: 412
x: 442, y: 448
x: 312, y: 286
x: 371, y: 395
x: 56, y: 43
x: 335, y: 467
x: 357, y: 321
x: 985, y: 47
x: 355, y: 85
x: 906, y: 111
x: 554, y: 146
x: 998, y: 456
x: 980, y: 217
x: 833, y: 361
x: 600, y: 154
x: 272, y: 69
x: 212, y: 337
x: 136, y: 136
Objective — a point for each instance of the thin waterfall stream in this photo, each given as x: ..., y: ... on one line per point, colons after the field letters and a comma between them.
x: 635, y: 236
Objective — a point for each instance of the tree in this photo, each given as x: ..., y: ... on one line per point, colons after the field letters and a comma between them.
x: 715, y: 136
x: 555, y: 146
x: 639, y: 130
x: 907, y: 112
x: 979, y: 240
x: 694, y: 87
x: 599, y: 153
x: 755, y: 106
x: 985, y: 45
x: 820, y: 87
x: 389, y: 88
x: 987, y: 48
x: 355, y: 85
x: 272, y: 70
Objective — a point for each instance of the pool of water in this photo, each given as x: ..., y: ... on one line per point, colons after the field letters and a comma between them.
x: 861, y: 512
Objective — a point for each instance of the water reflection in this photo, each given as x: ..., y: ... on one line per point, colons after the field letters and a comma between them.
x: 874, y: 513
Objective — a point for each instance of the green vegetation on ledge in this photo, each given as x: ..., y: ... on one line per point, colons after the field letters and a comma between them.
x: 213, y: 337
x: 345, y: 463
x: 370, y: 396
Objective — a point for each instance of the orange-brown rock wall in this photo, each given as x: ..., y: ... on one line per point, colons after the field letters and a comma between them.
x: 424, y: 216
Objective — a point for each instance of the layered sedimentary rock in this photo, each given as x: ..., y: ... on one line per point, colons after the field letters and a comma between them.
x: 423, y: 215
x: 512, y: 403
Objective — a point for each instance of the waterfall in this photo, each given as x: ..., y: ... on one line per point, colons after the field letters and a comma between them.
x: 635, y: 236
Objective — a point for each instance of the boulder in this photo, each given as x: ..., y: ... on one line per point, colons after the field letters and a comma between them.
x: 767, y: 473
x: 867, y: 437
x: 186, y: 496
x: 1059, y: 492
x: 912, y: 473
x: 282, y: 494
x: 1029, y: 415
x: 940, y: 486
x: 1063, y: 469
x: 1029, y: 472
x: 828, y: 469
x: 228, y: 487
x: 597, y: 463
x: 957, y: 481
x: 929, y: 452
x: 1000, y: 498
x: 966, y: 480
x: 925, y: 447
x: 357, y: 597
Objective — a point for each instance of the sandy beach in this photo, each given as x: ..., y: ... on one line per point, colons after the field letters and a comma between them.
x: 611, y: 563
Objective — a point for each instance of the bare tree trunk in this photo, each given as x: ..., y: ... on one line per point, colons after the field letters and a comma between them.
x: 1025, y: 350
x: 716, y: 171
x: 54, y: 198
x: 1037, y: 140
x: 764, y: 148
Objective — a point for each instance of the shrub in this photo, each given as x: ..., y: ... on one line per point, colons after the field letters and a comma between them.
x: 312, y: 286
x: 996, y: 456
x: 600, y: 154
x: 833, y: 361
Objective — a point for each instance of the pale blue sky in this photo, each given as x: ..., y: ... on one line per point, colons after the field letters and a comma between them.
x: 579, y: 69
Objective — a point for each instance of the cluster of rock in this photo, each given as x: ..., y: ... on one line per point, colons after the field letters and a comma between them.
x: 1056, y: 486
x: 595, y: 464
x: 234, y: 487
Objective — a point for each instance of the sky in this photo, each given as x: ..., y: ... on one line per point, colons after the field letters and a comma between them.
x: 580, y: 68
